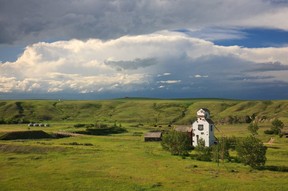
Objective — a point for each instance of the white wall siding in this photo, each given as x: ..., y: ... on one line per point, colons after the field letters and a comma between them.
x: 207, y: 132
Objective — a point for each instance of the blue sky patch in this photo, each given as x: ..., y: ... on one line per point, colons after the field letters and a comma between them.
x: 258, y: 38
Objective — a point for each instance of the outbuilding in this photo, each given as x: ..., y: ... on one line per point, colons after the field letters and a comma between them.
x: 153, y: 136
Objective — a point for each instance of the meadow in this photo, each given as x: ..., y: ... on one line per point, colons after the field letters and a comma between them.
x: 124, y: 161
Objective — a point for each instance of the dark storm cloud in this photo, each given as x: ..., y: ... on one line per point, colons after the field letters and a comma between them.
x: 217, y: 76
x: 244, y: 78
x: 266, y: 67
x: 37, y: 20
x: 277, y: 2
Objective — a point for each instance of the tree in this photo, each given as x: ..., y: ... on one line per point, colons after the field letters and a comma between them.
x: 253, y: 128
x: 221, y: 149
x: 277, y: 125
x: 177, y: 143
x: 203, y: 153
x: 251, y: 151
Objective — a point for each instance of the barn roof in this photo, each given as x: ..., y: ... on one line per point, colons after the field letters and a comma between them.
x: 182, y: 128
x: 153, y: 135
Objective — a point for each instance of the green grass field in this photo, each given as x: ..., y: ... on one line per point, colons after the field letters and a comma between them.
x: 124, y: 161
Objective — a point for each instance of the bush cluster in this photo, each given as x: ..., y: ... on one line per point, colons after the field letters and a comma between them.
x: 237, y: 119
x: 14, y: 120
x: 100, y: 129
x: 276, y: 128
x: 250, y: 150
x: 177, y: 143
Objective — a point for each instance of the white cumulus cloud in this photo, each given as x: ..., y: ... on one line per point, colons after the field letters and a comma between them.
x: 138, y: 63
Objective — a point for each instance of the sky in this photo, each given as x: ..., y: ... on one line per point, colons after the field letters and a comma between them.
x: 103, y: 49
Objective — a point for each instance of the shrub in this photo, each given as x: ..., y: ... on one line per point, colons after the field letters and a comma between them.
x: 12, y: 120
x: 221, y: 150
x: 100, y: 129
x: 277, y: 126
x: 44, y: 117
x: 269, y: 132
x: 2, y: 121
x: 253, y: 128
x: 251, y: 151
x: 203, y: 153
x: 104, y: 131
x: 79, y: 125
x: 231, y: 142
x: 177, y: 143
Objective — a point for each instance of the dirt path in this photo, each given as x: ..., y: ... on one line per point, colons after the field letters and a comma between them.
x: 68, y: 134
x: 271, y: 140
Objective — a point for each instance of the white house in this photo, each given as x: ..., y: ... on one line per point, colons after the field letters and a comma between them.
x: 203, y: 128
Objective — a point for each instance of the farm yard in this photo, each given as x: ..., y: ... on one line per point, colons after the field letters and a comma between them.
x: 116, y: 156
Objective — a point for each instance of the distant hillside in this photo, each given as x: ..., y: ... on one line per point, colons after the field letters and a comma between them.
x: 152, y: 111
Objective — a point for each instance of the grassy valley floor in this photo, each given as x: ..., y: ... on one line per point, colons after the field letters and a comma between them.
x: 125, y: 162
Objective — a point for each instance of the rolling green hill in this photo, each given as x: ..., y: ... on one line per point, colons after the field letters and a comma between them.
x: 149, y: 111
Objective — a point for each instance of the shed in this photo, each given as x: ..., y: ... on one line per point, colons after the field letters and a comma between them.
x: 153, y: 136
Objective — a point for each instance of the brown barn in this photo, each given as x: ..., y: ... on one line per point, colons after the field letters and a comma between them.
x: 153, y: 136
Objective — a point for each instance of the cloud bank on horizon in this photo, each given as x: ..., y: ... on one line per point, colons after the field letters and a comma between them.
x: 143, y: 48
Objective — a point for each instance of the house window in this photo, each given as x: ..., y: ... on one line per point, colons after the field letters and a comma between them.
x: 200, y: 127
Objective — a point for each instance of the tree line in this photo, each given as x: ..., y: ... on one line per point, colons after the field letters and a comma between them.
x: 250, y: 150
